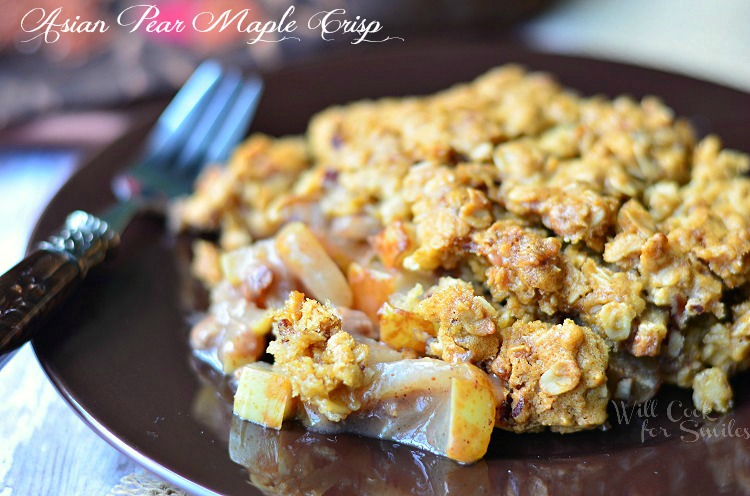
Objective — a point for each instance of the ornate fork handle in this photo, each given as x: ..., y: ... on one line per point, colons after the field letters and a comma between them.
x: 33, y: 288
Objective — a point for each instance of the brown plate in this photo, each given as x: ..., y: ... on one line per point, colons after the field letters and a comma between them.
x: 119, y: 355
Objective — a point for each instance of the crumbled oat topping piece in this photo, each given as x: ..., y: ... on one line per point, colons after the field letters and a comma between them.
x: 444, y: 225
x: 711, y: 391
x: 522, y: 263
x: 575, y: 212
x: 554, y: 376
x: 324, y: 363
x: 466, y: 329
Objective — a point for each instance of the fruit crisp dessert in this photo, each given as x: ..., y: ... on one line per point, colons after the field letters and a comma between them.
x: 502, y: 254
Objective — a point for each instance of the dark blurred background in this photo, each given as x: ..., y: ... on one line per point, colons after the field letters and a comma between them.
x: 37, y: 77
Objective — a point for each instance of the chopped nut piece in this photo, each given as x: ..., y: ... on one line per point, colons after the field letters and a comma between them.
x: 560, y: 378
x: 651, y: 331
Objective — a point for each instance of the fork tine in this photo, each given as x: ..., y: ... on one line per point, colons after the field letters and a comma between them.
x: 207, y: 118
x: 200, y: 137
x: 235, y: 126
x: 182, y: 112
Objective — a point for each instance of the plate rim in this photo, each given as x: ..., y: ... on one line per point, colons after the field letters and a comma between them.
x: 38, y: 233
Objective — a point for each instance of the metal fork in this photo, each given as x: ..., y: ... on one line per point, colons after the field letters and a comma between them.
x: 202, y: 124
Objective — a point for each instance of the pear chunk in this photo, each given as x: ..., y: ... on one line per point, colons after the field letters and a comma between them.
x: 263, y: 396
x: 448, y: 409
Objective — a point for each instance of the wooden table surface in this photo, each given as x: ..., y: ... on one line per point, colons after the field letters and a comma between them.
x: 46, y: 450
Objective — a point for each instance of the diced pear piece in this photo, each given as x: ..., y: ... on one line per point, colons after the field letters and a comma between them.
x: 448, y: 409
x: 238, y: 264
x: 401, y: 329
x: 472, y: 416
x: 379, y: 353
x: 206, y: 265
x: 308, y: 260
x: 370, y: 288
x: 264, y: 396
x: 244, y: 328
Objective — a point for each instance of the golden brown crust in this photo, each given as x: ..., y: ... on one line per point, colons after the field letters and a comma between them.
x: 522, y: 263
x: 518, y: 205
x: 575, y: 213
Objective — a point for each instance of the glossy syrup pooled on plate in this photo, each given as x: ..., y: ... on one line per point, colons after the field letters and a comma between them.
x: 530, y: 252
